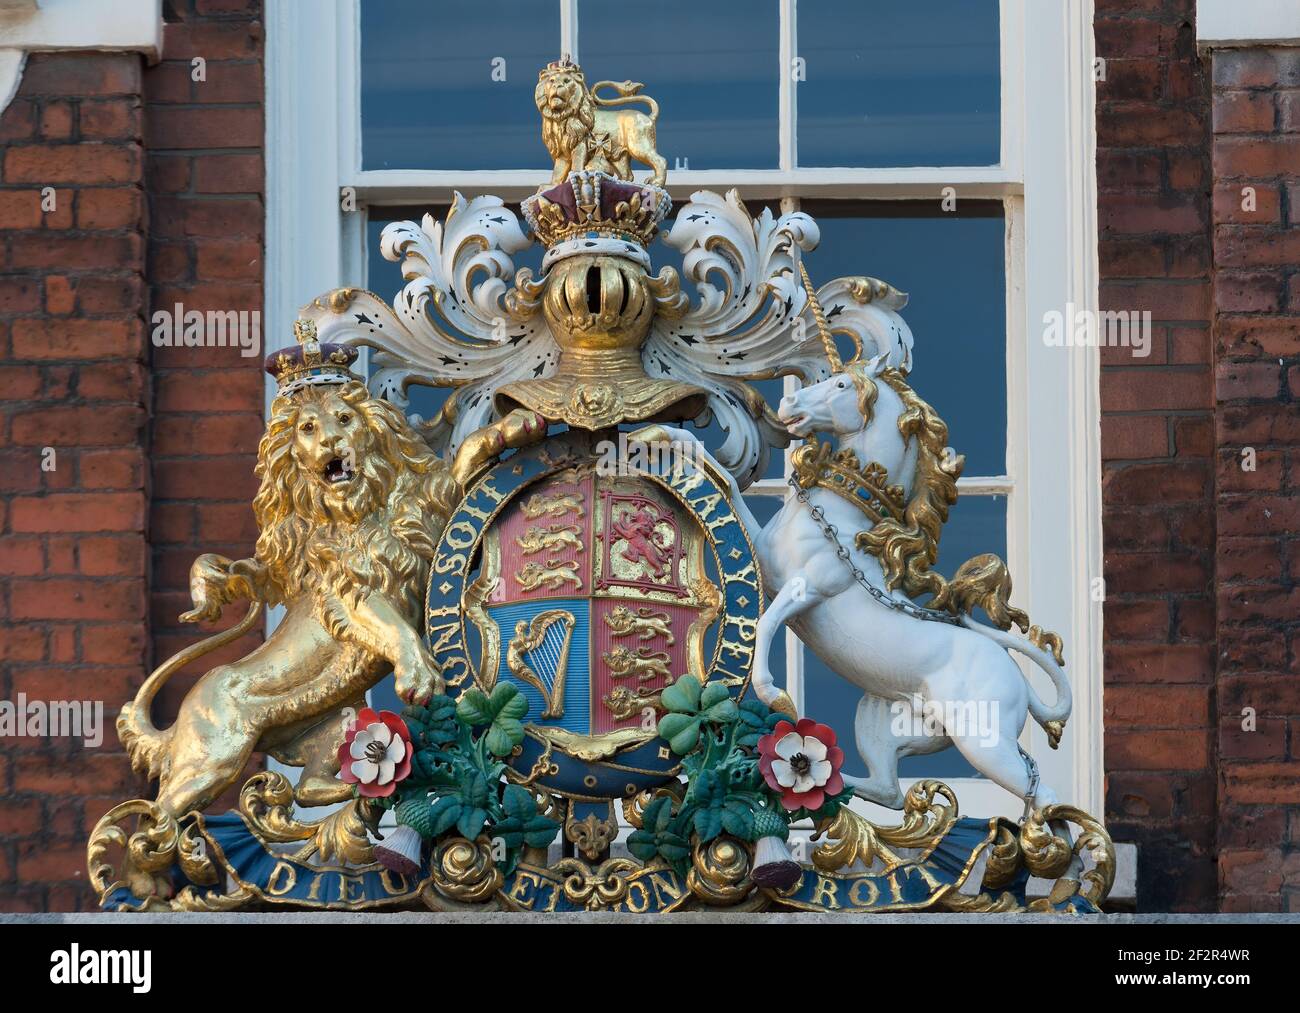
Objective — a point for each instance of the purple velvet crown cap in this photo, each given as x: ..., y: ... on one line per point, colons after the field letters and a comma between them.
x: 310, y: 363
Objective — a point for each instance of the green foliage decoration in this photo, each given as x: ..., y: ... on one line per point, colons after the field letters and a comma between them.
x: 456, y: 784
x: 717, y: 739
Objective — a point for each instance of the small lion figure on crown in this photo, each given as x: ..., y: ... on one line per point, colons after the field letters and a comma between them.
x: 582, y: 131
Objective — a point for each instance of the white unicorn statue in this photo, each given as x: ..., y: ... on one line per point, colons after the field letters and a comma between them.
x: 846, y: 556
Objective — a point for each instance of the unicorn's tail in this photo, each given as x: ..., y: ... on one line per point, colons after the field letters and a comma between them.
x: 1051, y: 718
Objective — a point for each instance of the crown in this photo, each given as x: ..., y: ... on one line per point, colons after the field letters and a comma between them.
x: 592, y: 212
x: 310, y: 363
x: 565, y: 62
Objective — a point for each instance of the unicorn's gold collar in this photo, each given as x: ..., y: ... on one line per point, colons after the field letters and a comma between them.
x: 818, y: 465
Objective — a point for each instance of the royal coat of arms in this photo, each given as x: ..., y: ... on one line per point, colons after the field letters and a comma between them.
x: 575, y: 601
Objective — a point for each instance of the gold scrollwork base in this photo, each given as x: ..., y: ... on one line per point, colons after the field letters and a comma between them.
x: 148, y: 852
x: 466, y: 875
x: 719, y: 875
x: 266, y: 800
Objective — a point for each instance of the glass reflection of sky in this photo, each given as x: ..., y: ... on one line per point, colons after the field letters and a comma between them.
x: 899, y: 83
x: 882, y: 82
x: 428, y: 97
x: 712, y: 66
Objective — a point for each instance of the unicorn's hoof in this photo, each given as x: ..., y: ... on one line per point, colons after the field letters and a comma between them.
x: 782, y: 704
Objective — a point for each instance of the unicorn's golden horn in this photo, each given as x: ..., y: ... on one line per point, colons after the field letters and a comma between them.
x: 823, y: 330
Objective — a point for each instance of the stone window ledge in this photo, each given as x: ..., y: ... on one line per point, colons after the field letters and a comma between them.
x: 45, y: 25
x: 1225, y: 24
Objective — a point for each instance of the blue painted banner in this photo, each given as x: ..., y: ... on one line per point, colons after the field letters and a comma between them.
x: 281, y: 880
x: 278, y: 880
x: 910, y: 886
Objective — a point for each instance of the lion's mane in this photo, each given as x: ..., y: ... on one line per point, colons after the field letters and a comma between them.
x: 380, y: 538
x: 563, y: 133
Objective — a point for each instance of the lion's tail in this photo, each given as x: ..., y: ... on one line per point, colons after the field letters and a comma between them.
x: 144, y: 743
x: 627, y: 93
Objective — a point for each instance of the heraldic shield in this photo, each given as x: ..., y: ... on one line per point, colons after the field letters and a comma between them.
x: 591, y: 589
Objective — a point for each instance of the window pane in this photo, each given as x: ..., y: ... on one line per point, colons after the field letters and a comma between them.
x: 431, y: 93
x: 894, y: 83
x: 977, y: 524
x: 952, y: 267
x: 713, y: 71
x: 383, y: 696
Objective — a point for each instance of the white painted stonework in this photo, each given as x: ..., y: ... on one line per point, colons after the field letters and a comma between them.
x: 1224, y: 23
x: 44, y: 25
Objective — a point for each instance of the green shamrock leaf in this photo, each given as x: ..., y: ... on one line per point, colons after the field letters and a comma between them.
x: 500, y: 711
x: 660, y: 834
x: 738, y: 819
x: 444, y: 815
x: 523, y: 824
x: 689, y: 707
x: 644, y: 843
x: 683, y: 696
x: 473, y: 788
x: 709, y: 794
x: 471, y: 822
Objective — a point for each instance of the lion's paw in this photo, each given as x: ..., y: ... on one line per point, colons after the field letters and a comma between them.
x: 417, y: 680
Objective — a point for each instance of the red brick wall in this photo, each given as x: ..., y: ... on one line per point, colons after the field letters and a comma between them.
x: 1257, y: 380
x: 1153, y: 169
x: 158, y: 182
x: 203, y: 151
x: 73, y: 563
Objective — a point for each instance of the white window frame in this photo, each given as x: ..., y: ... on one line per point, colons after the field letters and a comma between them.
x: 1046, y: 178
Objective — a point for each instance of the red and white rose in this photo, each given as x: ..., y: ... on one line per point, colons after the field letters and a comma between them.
x: 802, y: 763
x: 376, y: 754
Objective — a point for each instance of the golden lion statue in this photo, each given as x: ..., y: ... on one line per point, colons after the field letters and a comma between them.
x: 350, y: 509
x: 581, y: 131
x: 351, y: 505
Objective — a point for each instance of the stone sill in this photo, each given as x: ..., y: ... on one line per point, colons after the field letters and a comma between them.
x: 1223, y: 24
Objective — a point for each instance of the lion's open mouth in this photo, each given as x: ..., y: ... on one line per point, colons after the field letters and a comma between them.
x: 336, y: 471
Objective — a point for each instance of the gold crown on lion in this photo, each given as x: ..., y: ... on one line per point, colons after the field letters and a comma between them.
x: 310, y: 363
